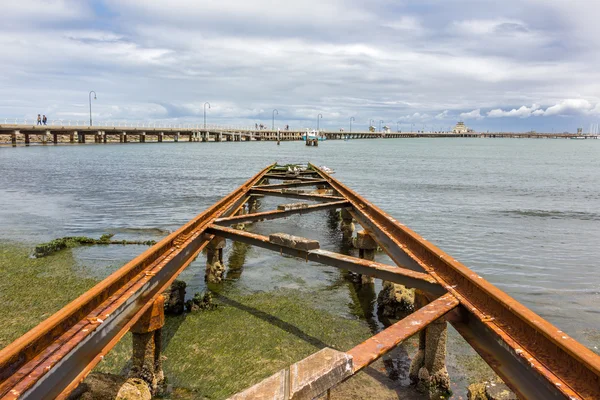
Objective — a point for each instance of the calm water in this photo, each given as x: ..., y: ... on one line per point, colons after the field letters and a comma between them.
x: 525, y: 214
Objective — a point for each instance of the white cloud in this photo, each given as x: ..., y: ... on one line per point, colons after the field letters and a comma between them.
x: 475, y: 114
x: 523, y: 112
x: 569, y: 106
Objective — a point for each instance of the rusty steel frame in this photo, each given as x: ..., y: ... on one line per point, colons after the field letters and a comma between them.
x: 376, y: 346
x: 534, y: 358
x: 300, y: 183
x: 275, y: 214
x: 364, y: 267
x: 53, y: 358
x: 293, y: 195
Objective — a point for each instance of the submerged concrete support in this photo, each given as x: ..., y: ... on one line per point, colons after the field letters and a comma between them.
x: 176, y: 137
x: 215, y: 268
x: 175, y: 298
x: 347, y: 226
x: 28, y: 141
x: 146, y: 363
x: 45, y: 137
x: 428, y: 368
x: 160, y: 137
x: 366, y: 246
x: 13, y: 138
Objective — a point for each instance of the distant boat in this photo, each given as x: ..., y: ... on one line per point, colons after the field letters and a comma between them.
x: 312, y: 135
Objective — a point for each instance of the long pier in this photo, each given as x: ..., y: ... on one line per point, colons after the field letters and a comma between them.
x: 20, y: 134
x: 535, y: 359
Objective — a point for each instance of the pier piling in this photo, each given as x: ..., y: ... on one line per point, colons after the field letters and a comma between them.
x: 347, y: 226
x: 146, y: 363
x: 214, y: 260
x: 366, y: 246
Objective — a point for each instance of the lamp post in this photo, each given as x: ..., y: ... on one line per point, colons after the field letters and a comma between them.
x: 412, y: 127
x: 91, y: 91
x: 318, y: 118
x: 380, y: 122
x: 351, y: 119
x: 205, y: 113
x: 273, y: 126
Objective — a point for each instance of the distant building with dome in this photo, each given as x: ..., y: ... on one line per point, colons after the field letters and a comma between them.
x: 461, y: 128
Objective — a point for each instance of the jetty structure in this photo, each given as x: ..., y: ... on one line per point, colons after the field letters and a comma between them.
x: 23, y: 134
x: 535, y: 359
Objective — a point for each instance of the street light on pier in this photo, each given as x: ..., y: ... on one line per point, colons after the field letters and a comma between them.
x: 318, y: 118
x: 412, y: 127
x: 351, y: 119
x: 380, y: 122
x: 95, y: 98
x: 273, y: 126
x: 205, y: 113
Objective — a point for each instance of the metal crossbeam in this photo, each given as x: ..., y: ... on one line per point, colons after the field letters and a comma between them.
x: 275, y: 214
x: 364, y: 267
x: 300, y: 183
x: 378, y: 345
x: 293, y: 195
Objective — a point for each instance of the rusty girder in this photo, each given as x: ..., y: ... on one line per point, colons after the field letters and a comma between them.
x: 536, y: 359
x: 533, y: 357
x: 53, y: 358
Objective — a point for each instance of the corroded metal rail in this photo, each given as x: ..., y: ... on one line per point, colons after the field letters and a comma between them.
x: 534, y: 358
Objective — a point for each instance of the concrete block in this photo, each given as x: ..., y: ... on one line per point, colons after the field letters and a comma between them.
x: 364, y: 241
x: 321, y: 371
x: 294, y: 242
x: 272, y: 388
x: 292, y: 206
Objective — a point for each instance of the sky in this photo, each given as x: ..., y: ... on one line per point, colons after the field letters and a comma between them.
x: 511, y: 65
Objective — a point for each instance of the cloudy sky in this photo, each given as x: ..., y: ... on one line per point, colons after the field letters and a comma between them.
x: 497, y: 65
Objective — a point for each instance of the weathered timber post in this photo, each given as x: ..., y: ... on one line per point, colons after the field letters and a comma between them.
x: 160, y: 137
x: 125, y: 137
x: 347, y: 226
x: 428, y: 368
x: 366, y: 246
x: 214, y: 260
x: 45, y: 137
x: 143, y: 137
x: 13, y: 138
x: 176, y: 137
x: 146, y: 363
x: 55, y: 138
x: 104, y: 137
x: 27, y: 141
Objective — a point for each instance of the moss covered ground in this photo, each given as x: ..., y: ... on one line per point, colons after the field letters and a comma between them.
x: 248, y: 337
x: 32, y: 289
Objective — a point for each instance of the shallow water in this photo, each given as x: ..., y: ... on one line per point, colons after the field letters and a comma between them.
x: 522, y: 213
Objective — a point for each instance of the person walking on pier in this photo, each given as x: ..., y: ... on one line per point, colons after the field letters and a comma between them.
x: 44, y: 119
x: 39, y: 119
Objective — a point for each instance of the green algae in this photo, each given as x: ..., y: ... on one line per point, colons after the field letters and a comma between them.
x: 31, y: 289
x: 247, y: 338
x: 56, y: 245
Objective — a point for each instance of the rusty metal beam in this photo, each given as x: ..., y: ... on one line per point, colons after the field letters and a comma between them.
x: 299, y: 183
x: 378, y: 345
x: 553, y: 362
x: 364, y: 267
x: 283, y: 177
x: 50, y: 360
x: 292, y: 195
x: 274, y: 214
